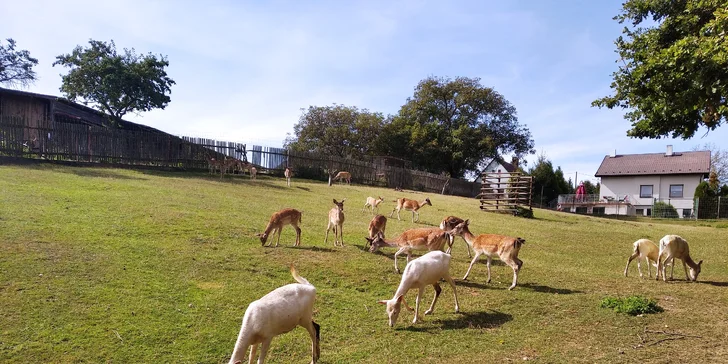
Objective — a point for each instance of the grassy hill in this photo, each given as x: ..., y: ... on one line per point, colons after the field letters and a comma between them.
x: 109, y: 265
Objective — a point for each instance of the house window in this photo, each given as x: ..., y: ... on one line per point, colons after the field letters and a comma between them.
x: 676, y: 191
x: 649, y: 212
x: 645, y: 191
x: 686, y: 213
x: 598, y: 211
x: 640, y: 212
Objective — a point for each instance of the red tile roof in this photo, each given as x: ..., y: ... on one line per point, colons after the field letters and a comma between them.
x: 655, y: 163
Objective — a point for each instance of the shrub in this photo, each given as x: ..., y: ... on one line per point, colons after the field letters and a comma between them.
x: 663, y: 209
x: 632, y: 305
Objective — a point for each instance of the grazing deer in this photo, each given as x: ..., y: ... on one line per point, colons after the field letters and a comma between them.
x: 346, y: 176
x: 280, y: 219
x: 449, y: 223
x: 643, y: 249
x: 288, y: 175
x: 253, y: 171
x: 276, y: 313
x: 671, y: 247
x: 411, y: 205
x: 376, y: 227
x: 412, y: 239
x: 372, y: 203
x: 421, y: 272
x: 505, y: 247
x: 336, y: 220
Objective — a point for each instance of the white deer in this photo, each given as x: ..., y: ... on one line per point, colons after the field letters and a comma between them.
x: 372, y: 204
x: 643, y: 249
x: 288, y: 175
x: 671, y: 247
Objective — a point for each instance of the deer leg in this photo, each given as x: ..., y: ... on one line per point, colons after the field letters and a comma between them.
x: 516, y: 265
x: 631, y: 257
x: 672, y: 266
x: 264, y: 350
x: 400, y: 251
x: 298, y: 235
x: 488, y: 265
x: 341, y: 233
x: 326, y: 239
x: 434, y: 300
x: 454, y: 291
x: 475, y: 259
x: 314, y: 330
x: 253, y: 351
x: 685, y: 266
x: 417, y: 304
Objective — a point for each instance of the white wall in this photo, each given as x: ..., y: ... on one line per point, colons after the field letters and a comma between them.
x: 619, y: 186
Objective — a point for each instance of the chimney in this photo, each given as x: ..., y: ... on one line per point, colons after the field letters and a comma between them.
x: 613, y: 154
x: 669, y: 151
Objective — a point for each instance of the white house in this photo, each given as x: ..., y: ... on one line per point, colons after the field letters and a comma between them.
x: 498, y: 165
x: 639, y: 180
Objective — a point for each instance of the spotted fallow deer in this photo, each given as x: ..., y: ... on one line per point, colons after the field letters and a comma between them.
x: 346, y: 176
x: 412, y: 239
x: 336, y: 220
x: 376, y: 226
x: 410, y: 205
x: 280, y: 219
x: 288, y: 175
x: 449, y: 223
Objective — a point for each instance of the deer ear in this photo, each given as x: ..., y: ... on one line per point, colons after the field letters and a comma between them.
x: 368, y: 239
x: 700, y: 262
x: 334, y: 200
x: 342, y: 201
x: 467, y: 222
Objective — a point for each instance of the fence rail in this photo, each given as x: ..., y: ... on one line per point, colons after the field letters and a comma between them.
x: 90, y: 143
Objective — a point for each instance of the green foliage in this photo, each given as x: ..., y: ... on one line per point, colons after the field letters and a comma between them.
x: 673, y: 76
x: 632, y: 305
x: 548, y: 180
x: 114, y: 83
x: 524, y: 212
x: 591, y: 189
x: 704, y: 190
x: 343, y: 131
x: 664, y: 209
x: 16, y: 66
x: 451, y: 125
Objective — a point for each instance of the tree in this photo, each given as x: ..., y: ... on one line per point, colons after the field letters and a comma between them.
x: 16, y: 66
x: 114, y: 83
x: 718, y: 160
x: 672, y: 77
x: 590, y: 188
x: 548, y: 183
x: 343, y: 131
x: 452, y: 125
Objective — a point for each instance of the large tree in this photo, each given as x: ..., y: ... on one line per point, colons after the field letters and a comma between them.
x: 450, y: 125
x: 548, y: 183
x: 16, y: 66
x: 672, y: 76
x: 718, y: 160
x: 115, y: 83
x: 338, y: 130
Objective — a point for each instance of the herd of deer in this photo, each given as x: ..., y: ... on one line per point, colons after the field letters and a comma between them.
x: 227, y: 165
x: 284, y: 308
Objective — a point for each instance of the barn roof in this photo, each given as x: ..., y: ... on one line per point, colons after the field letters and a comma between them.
x: 655, y: 163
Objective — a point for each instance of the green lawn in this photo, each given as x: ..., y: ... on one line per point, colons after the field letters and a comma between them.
x: 109, y: 265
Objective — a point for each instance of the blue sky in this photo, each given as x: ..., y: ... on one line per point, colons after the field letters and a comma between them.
x: 244, y: 69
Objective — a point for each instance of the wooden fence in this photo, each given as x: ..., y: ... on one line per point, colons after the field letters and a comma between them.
x: 505, y: 191
x: 89, y: 143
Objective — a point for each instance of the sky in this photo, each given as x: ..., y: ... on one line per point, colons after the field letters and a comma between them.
x: 244, y: 70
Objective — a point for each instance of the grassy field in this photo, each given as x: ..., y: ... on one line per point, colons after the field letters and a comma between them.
x: 108, y: 265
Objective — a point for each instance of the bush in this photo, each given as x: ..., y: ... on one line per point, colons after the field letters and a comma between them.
x: 663, y: 209
x: 523, y: 212
x: 632, y: 305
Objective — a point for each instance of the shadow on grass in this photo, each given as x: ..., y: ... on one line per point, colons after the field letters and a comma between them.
x: 99, y: 173
x: 546, y: 289
x: 304, y: 188
x: 470, y: 284
x: 467, y: 320
x: 313, y: 249
x: 713, y: 283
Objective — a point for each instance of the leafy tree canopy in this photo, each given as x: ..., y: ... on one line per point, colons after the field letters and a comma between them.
x: 673, y: 76
x: 343, y: 131
x: 115, y: 83
x: 549, y: 181
x: 452, y: 125
x: 16, y: 66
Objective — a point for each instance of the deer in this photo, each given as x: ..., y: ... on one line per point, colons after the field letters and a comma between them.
x: 212, y: 163
x: 253, y: 171
x: 411, y: 205
x: 277, y: 221
x: 423, y: 271
x: 643, y: 249
x: 505, y: 247
x: 372, y: 203
x: 376, y: 226
x: 346, y: 176
x: 288, y: 175
x: 671, y: 247
x: 276, y: 313
x: 449, y: 223
x: 413, y: 239
x: 336, y: 220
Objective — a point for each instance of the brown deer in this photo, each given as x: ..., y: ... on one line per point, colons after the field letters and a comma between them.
x: 449, y: 223
x: 376, y: 226
x: 212, y: 163
x: 253, y: 171
x: 280, y: 219
x: 336, y: 220
x: 505, y: 247
x: 411, y: 205
x: 346, y: 176
x: 412, y: 239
